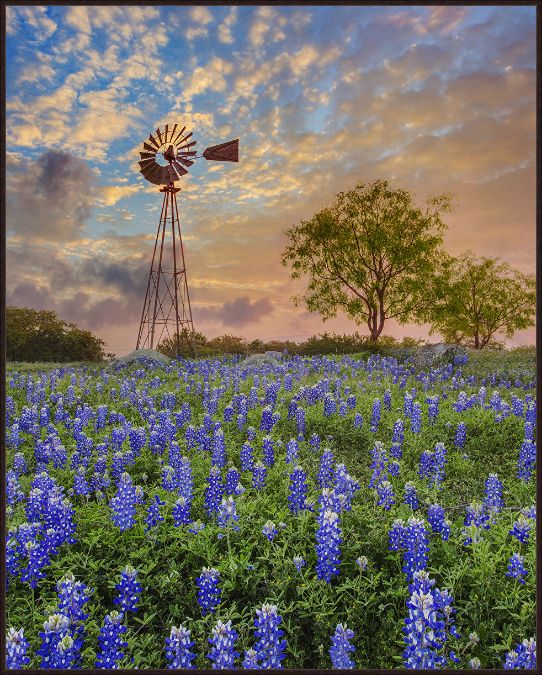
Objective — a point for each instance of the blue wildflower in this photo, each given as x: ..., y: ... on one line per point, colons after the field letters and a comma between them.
x: 154, y: 516
x: 214, y: 491
x: 435, y: 517
x: 410, y: 496
x: 460, y: 435
x: 179, y: 649
x: 110, y: 642
x: 269, y: 646
x: 299, y: 563
x: 521, y: 529
x: 516, y: 568
x: 227, y: 513
x: 123, y: 503
x: 208, y: 590
x: 386, y: 496
x: 181, y: 512
x: 325, y: 472
x: 223, y: 639
x: 269, y: 530
x: 129, y: 590
x: 16, y: 649
x: 341, y: 647
x: 298, y: 490
x: 328, y: 538
x: 493, y: 501
x: 523, y: 657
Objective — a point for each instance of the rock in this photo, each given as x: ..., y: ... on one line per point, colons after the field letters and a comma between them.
x: 430, y: 356
x: 257, y: 360
x: 277, y: 355
x: 143, y: 356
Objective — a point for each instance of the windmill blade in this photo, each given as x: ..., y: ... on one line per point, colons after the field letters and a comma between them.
x: 149, y: 175
x: 154, y: 141
x: 173, y: 131
x: 147, y: 155
x: 180, y: 170
x: 184, y: 139
x: 165, y: 134
x: 159, y: 136
x: 164, y: 177
x: 185, y: 162
x: 188, y: 145
x: 183, y: 153
x: 179, y: 135
x: 147, y: 162
x: 225, y: 152
x: 149, y: 148
x: 172, y: 173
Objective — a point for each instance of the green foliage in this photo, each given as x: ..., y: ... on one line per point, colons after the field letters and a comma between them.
x: 370, y: 253
x: 476, y: 299
x: 40, y: 335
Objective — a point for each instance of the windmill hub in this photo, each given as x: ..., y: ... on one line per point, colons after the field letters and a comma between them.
x: 167, y: 314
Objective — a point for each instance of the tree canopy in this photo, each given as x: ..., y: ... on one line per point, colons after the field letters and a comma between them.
x: 40, y: 335
x: 370, y: 253
x: 475, y: 299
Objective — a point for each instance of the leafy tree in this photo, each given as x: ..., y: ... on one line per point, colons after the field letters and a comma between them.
x: 40, y: 335
x: 474, y: 299
x: 188, y: 344
x: 370, y: 254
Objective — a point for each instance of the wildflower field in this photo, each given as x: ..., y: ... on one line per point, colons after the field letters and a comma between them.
x: 322, y: 512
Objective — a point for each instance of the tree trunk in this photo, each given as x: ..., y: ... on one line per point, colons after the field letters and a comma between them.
x: 476, y: 341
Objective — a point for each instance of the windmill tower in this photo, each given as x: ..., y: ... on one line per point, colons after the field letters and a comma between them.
x: 167, y: 313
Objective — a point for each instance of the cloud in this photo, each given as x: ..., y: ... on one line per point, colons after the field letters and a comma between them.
x: 224, y: 30
x: 108, y: 195
x: 239, y: 312
x: 200, y: 14
x: 50, y: 199
x: 19, y: 18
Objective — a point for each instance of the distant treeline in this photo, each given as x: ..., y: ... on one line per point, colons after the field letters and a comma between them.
x: 324, y: 343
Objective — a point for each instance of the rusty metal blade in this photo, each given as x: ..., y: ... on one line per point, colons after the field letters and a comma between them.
x: 172, y: 173
x: 184, y: 139
x: 147, y: 162
x: 154, y: 141
x: 180, y: 170
x: 187, y: 145
x: 178, y: 135
x: 185, y: 153
x: 149, y: 148
x: 225, y: 152
x: 164, y: 178
x: 186, y: 162
x: 165, y: 134
x: 158, y: 133
x: 147, y: 155
x: 173, y: 131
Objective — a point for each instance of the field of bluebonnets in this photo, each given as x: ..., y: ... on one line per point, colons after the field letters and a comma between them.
x: 326, y: 511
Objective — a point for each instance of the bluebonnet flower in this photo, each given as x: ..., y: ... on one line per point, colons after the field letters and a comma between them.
x: 474, y: 663
x: 197, y: 527
x: 246, y: 457
x: 259, y: 475
x: 123, y: 503
x: 362, y: 563
x: 432, y: 408
x: 292, y: 451
x: 214, y: 491
x: 526, y: 460
x: 523, y: 657
x: 378, y: 464
x: 529, y: 431
x: 129, y: 590
x: 219, y: 449
x: 493, y: 501
x: 232, y: 480
x: 521, y: 529
x: 179, y: 649
x: 300, y: 418
x: 351, y: 401
x: 16, y: 649
x: 269, y: 530
x: 299, y: 562
x: 386, y: 496
x: 181, y: 512
x: 398, y: 433
x: 228, y: 413
x: 298, y: 490
x: 460, y: 435
x: 475, y: 518
x: 266, y: 423
x: 14, y: 492
x: 39, y: 556
x: 530, y: 512
x: 72, y: 596
x: 250, y: 662
x: 19, y: 464
x: 394, y: 467
x: 375, y: 415
x: 435, y: 516
x: 315, y: 441
x: 269, y: 646
x: 428, y: 625
x: 57, y: 646
x: 343, y: 409
x: 169, y: 480
x: 223, y: 639
x: 110, y: 642
x: 387, y: 399
x: 341, y: 647
x: 208, y: 590
x: 328, y: 538
x: 345, y: 485
x: 416, y: 418
x: 516, y: 568
x: 410, y: 496
x: 358, y: 420
x: 268, y: 451
x: 432, y: 464
x: 325, y: 472
x: 227, y: 513
x: 530, y: 412
x: 396, y: 451
x: 154, y: 516
x: 413, y: 538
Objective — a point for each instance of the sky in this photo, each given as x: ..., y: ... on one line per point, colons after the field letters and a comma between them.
x: 434, y: 99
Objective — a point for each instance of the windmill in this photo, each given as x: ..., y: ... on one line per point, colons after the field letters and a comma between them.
x: 167, y: 313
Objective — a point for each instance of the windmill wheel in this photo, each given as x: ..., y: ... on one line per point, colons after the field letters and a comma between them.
x: 175, y: 147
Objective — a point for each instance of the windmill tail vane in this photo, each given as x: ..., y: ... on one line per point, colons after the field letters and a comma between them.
x: 167, y: 312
